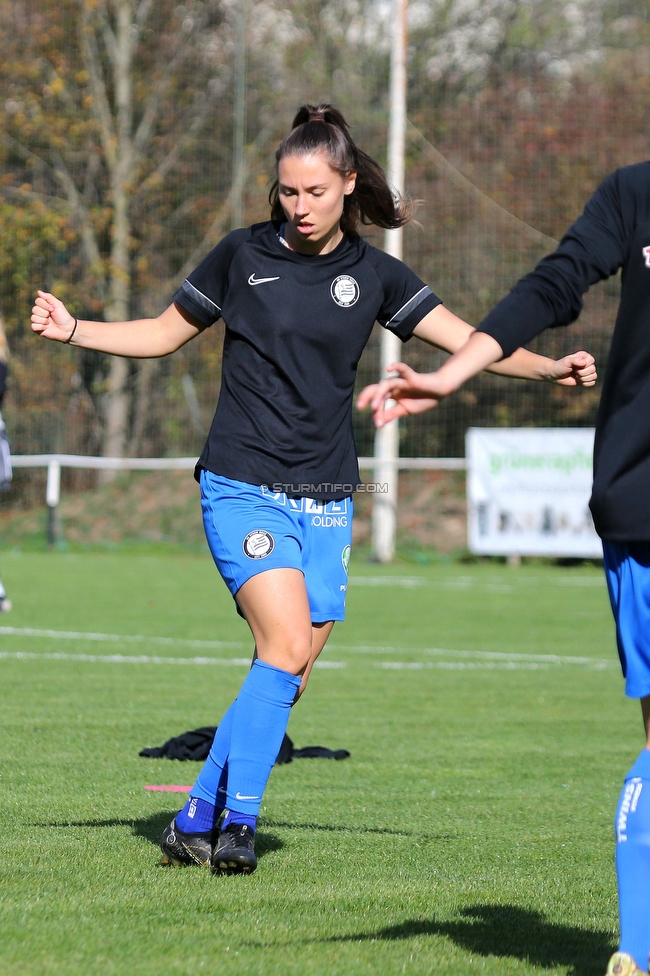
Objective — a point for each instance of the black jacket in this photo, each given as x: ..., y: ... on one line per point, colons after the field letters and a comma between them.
x: 612, y: 233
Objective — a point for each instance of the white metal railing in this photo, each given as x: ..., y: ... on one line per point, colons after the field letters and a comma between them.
x: 54, y: 463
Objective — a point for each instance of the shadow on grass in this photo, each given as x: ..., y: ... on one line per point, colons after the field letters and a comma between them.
x: 355, y: 829
x: 507, y: 930
x: 152, y: 827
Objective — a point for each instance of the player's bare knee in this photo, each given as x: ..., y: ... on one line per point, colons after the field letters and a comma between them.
x: 297, y: 657
x: 289, y: 652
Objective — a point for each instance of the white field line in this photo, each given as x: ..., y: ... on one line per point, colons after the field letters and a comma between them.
x: 595, y: 665
x: 141, y: 659
x: 485, y: 655
x: 498, y: 585
x: 115, y: 638
x: 354, y: 648
x: 122, y: 658
x: 470, y: 660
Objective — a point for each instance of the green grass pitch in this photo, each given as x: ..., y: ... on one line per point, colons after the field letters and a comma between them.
x: 469, y: 832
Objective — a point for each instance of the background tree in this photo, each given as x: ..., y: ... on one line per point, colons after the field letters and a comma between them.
x: 117, y: 118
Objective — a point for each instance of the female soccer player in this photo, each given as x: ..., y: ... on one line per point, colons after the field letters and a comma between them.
x: 299, y: 295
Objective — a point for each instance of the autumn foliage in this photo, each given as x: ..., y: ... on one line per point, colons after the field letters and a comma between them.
x: 116, y: 178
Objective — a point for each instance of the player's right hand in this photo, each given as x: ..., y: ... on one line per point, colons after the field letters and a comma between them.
x: 411, y: 392
x: 51, y: 319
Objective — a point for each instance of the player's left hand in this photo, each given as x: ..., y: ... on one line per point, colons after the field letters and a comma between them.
x: 578, y: 369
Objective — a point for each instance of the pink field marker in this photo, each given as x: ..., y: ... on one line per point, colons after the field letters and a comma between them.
x: 169, y: 789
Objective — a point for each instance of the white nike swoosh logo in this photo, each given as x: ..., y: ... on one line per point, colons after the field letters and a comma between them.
x: 260, y: 281
x: 238, y: 796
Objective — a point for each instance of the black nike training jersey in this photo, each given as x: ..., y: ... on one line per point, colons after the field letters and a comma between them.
x: 296, y: 326
x: 612, y: 233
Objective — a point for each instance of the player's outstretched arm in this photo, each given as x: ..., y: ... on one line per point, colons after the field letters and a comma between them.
x: 140, y: 339
x: 447, y: 331
x: 416, y: 392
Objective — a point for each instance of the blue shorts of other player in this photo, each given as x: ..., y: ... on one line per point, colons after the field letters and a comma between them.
x: 627, y: 568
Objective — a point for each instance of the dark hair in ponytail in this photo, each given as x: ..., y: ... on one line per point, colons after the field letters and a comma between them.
x: 322, y: 128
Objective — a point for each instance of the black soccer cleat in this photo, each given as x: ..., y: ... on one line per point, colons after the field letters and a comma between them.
x: 180, y: 849
x: 235, y: 851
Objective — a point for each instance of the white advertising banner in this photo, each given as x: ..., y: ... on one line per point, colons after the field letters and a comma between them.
x: 528, y: 491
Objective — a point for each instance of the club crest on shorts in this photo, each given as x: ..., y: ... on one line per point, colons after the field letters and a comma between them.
x: 646, y: 254
x: 258, y: 544
x: 345, y: 291
x: 345, y: 558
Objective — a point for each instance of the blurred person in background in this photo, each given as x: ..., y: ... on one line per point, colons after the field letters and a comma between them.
x: 5, y: 458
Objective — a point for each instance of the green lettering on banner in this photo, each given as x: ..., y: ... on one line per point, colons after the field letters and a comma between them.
x: 576, y: 460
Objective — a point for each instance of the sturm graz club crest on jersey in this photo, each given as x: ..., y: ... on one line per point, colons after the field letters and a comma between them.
x: 296, y: 325
x: 345, y: 291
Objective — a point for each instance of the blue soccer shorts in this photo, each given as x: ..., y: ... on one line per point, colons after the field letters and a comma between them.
x: 251, y: 529
x: 627, y: 568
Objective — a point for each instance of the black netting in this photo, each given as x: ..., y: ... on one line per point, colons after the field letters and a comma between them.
x: 508, y: 140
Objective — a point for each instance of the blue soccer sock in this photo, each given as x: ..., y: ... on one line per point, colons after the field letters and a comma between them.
x: 196, y: 817
x: 259, y: 721
x: 632, y: 827
x: 211, y: 781
x: 232, y: 817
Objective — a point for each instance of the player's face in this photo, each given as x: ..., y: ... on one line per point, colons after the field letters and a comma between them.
x: 312, y: 194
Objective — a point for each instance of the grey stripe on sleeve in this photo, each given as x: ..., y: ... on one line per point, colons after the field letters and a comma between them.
x: 409, y: 307
x: 199, y: 297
